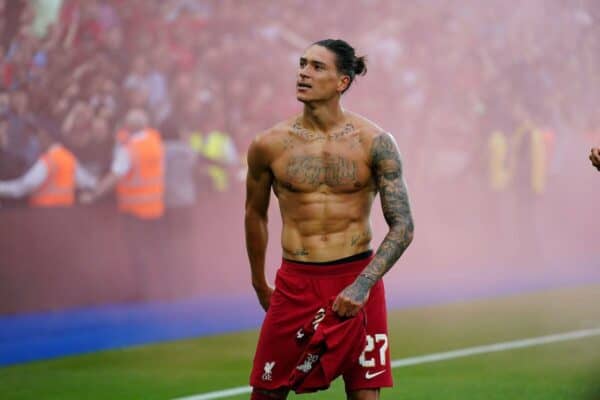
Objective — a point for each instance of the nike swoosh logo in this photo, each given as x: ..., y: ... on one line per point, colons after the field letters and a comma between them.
x: 370, y: 375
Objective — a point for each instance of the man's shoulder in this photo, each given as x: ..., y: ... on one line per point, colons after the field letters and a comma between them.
x: 273, y: 135
x: 282, y: 127
x: 365, y: 125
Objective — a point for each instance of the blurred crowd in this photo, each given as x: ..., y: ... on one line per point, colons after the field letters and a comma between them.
x: 495, y: 87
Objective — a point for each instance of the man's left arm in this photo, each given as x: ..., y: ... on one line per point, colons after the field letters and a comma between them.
x: 386, y: 164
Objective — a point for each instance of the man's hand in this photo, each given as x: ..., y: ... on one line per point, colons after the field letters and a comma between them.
x: 349, y: 302
x: 264, y: 294
x: 595, y: 157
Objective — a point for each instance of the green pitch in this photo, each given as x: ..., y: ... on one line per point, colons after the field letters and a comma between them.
x: 566, y: 370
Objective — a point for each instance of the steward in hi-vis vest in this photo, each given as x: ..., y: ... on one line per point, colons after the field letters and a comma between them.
x: 141, y: 191
x: 58, y: 188
x: 137, y: 170
x: 52, y: 179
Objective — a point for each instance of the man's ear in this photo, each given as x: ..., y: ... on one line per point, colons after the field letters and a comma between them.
x: 343, y: 83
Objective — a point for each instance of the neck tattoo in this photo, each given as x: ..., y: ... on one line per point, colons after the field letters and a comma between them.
x: 308, y: 135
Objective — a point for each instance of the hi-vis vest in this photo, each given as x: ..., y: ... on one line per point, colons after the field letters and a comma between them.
x: 215, y: 148
x: 215, y: 145
x: 141, y: 191
x: 58, y: 190
x: 542, y: 149
x: 499, y: 174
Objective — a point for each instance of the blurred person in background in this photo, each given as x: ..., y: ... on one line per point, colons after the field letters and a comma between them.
x: 5, y: 69
x: 22, y: 141
x: 27, y: 57
x: 499, y: 174
x: 137, y: 170
x: 101, y: 141
x: 77, y: 123
x: 46, y: 13
x: 113, y: 46
x: 326, y: 166
x: 137, y: 98
x: 4, y: 102
x: 138, y: 173
x: 181, y: 168
x: 530, y: 152
x: 221, y: 155
x: 53, y: 179
x: 199, y: 118
x: 11, y: 165
x: 148, y: 79
x: 69, y: 95
x: 104, y: 99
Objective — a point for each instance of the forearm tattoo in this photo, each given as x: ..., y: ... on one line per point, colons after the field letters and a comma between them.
x: 387, y: 172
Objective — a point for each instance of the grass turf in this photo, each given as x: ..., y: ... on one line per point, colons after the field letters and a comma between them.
x: 566, y: 370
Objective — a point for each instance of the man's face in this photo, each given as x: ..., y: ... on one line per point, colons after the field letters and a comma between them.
x: 318, y: 77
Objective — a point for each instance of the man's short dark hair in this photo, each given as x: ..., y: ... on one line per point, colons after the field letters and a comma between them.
x: 346, y: 60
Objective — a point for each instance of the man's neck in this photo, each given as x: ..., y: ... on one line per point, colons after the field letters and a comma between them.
x: 323, y: 116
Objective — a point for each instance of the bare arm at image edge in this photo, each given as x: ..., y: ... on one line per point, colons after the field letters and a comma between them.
x: 595, y: 157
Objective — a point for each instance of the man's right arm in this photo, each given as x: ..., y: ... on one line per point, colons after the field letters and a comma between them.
x: 258, y: 192
x: 27, y: 184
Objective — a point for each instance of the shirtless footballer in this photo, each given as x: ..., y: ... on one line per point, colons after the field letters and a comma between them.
x: 325, y: 166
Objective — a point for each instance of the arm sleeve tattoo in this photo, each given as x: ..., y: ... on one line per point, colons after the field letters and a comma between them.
x: 387, y: 171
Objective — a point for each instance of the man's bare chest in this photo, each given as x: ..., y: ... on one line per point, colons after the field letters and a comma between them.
x: 311, y: 162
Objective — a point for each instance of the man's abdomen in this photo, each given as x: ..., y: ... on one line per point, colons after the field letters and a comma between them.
x: 325, y: 245
x: 325, y: 226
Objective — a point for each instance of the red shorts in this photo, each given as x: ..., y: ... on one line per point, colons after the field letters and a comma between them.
x: 300, y: 291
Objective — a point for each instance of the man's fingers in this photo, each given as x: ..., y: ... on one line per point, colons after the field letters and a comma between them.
x: 336, y: 304
x: 345, y: 308
x: 352, y: 311
x: 341, y: 307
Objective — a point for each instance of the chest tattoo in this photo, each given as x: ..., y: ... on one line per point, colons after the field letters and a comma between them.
x: 317, y: 170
